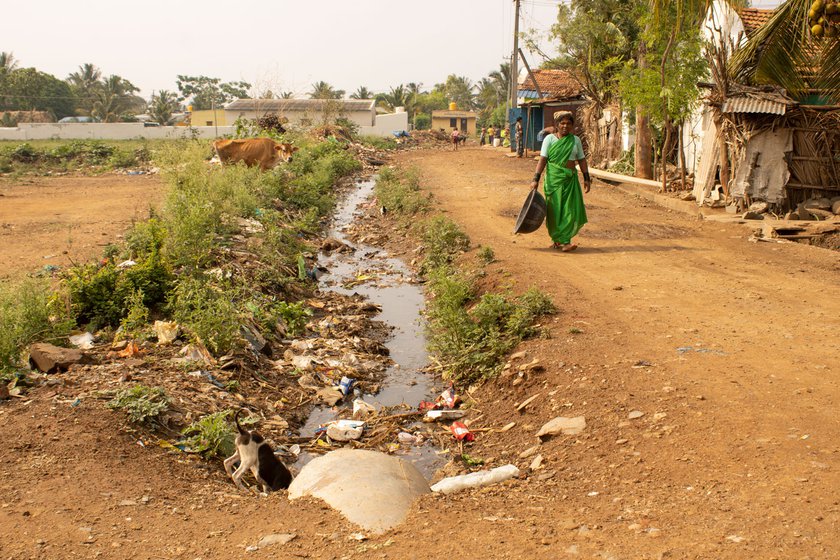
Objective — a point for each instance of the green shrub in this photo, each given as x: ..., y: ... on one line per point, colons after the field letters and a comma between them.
x: 213, y: 435
x: 208, y: 312
x: 471, y: 343
x: 136, y: 317
x: 379, y: 142
x: 145, y: 238
x: 486, y: 255
x: 29, y: 312
x: 399, y: 192
x: 121, y: 159
x: 25, y: 153
x: 142, y: 404
x: 99, y: 293
x: 443, y: 239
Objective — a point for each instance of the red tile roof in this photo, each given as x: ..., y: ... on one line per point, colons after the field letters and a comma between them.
x: 753, y: 18
x: 553, y: 84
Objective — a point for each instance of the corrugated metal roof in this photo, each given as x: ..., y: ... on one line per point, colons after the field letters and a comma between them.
x: 281, y: 105
x: 752, y: 105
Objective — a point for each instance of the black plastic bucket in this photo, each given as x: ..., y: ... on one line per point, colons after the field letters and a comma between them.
x: 532, y: 214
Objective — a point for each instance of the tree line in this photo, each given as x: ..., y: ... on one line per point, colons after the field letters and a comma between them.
x: 88, y: 92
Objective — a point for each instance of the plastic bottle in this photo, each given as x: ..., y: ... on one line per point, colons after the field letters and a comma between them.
x: 476, y: 479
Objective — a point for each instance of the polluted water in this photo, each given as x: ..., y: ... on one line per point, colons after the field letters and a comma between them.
x: 401, y: 304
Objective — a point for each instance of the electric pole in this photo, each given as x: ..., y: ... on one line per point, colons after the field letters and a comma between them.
x: 514, y: 73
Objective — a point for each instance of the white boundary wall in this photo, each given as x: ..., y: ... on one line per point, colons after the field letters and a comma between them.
x: 108, y: 131
x: 386, y: 124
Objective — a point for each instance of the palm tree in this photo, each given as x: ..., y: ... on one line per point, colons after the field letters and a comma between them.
x: 114, y: 99
x: 8, y: 63
x: 84, y: 84
x: 323, y: 90
x: 501, y: 82
x: 362, y: 93
x: 162, y: 106
x: 397, y: 97
x: 780, y: 50
x: 287, y: 95
x: 460, y: 90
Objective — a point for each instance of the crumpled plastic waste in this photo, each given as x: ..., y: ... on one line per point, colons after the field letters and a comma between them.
x: 362, y: 409
x: 166, y: 331
x: 460, y: 432
x: 83, y: 340
x: 126, y: 264
x: 343, y: 430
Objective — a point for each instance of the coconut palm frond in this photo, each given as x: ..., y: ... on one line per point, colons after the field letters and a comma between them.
x: 828, y: 80
x: 779, y: 52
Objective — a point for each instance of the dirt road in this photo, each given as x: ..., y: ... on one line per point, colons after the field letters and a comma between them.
x: 728, y: 350
x: 60, y: 220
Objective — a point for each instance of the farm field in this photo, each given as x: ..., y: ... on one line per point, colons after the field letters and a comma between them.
x: 705, y: 367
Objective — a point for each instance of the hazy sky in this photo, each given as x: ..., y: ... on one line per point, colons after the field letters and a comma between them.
x: 279, y: 45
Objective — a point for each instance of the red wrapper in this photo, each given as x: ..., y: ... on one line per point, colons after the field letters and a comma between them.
x: 460, y: 432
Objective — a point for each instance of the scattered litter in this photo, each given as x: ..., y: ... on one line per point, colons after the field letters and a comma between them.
x: 126, y: 264
x: 195, y: 353
x: 346, y: 385
x: 361, y: 409
x: 408, y: 439
x: 344, y: 430
x: 642, y: 364
x: 476, y: 479
x: 448, y: 399
x: 131, y: 349
x: 83, y: 341
x: 435, y: 415
x: 166, y: 331
x: 460, y: 432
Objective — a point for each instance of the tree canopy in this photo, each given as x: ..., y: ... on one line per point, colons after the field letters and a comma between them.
x: 203, y: 92
x: 27, y: 89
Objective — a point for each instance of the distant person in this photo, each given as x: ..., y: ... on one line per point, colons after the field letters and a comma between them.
x: 543, y: 133
x: 455, y: 139
x: 482, y: 139
x: 561, y: 153
x: 506, y: 136
x: 498, y: 135
x: 520, y: 148
x: 491, y: 132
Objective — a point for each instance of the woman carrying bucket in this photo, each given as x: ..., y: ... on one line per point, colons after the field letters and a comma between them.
x: 562, y: 152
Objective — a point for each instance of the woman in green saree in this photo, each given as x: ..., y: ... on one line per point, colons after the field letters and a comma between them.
x: 561, y: 153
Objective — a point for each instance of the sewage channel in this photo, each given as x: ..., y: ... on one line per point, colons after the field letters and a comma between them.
x: 401, y: 303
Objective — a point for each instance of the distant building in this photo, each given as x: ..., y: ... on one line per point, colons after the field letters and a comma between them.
x: 464, y: 121
x: 208, y: 117
x: 543, y: 95
x: 303, y: 112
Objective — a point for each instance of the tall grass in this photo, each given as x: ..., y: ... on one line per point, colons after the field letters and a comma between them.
x: 399, y: 192
x: 470, y: 333
x: 28, y: 313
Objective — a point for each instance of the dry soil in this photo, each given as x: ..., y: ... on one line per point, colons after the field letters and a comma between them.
x: 705, y: 366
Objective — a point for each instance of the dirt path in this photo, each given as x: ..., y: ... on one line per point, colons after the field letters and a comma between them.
x: 57, y: 221
x: 736, y: 454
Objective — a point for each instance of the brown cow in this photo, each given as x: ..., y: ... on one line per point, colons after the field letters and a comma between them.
x: 264, y: 152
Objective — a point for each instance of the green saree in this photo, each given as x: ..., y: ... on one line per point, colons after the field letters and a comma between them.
x: 565, y: 213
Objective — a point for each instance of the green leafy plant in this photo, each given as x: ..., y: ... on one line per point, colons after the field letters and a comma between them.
x: 29, y: 312
x: 486, y: 255
x: 470, y: 341
x: 213, y: 435
x: 208, y: 312
x: 137, y: 316
x: 143, y: 404
x: 399, y: 192
x: 443, y: 239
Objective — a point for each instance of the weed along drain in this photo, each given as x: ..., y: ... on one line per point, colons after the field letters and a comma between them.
x: 386, y: 417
